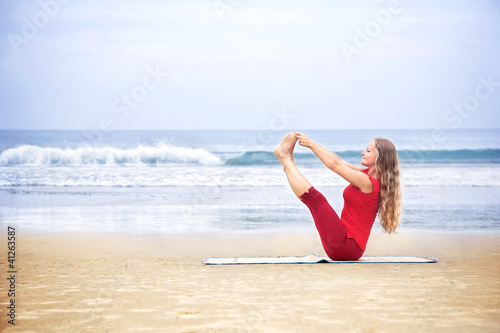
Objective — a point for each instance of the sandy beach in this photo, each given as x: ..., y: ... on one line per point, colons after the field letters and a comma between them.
x: 156, y: 283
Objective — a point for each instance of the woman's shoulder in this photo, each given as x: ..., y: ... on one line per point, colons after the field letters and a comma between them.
x: 366, y: 171
x: 375, y: 181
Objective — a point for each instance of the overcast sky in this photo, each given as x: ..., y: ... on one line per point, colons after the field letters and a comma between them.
x: 236, y: 64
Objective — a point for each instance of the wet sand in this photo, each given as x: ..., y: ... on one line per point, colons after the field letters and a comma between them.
x: 157, y: 283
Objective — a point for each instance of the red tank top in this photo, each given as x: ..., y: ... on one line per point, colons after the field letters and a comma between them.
x: 360, y: 210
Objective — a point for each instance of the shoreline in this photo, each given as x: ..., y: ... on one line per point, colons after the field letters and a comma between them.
x: 273, y: 240
x: 121, y: 282
x: 165, y: 210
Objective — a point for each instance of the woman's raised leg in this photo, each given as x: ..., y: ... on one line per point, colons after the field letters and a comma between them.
x: 284, y: 153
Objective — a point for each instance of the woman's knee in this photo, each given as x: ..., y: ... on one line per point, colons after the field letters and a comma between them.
x: 349, y: 250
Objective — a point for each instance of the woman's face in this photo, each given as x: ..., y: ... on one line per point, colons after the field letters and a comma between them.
x: 369, y: 156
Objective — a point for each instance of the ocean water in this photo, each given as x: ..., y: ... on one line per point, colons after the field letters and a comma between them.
x: 211, y: 181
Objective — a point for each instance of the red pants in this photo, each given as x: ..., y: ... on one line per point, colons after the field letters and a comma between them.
x: 331, y: 230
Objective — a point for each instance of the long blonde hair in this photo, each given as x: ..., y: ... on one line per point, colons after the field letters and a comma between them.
x: 387, y: 167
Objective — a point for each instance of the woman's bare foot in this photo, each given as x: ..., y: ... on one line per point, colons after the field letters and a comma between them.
x: 284, y: 150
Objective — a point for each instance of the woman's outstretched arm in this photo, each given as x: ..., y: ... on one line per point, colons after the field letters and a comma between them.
x: 354, y: 167
x: 332, y: 161
x: 305, y: 141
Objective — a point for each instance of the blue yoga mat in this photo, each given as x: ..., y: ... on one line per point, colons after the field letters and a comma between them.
x: 314, y: 259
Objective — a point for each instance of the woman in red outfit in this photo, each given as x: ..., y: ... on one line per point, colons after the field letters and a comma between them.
x: 374, y: 189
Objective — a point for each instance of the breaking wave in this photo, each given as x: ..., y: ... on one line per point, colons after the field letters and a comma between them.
x: 159, y: 154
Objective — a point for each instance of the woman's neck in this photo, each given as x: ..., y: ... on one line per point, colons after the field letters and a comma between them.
x: 372, y: 173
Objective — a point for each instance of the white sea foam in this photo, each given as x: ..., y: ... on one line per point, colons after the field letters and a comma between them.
x: 189, y: 175
x: 159, y: 154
